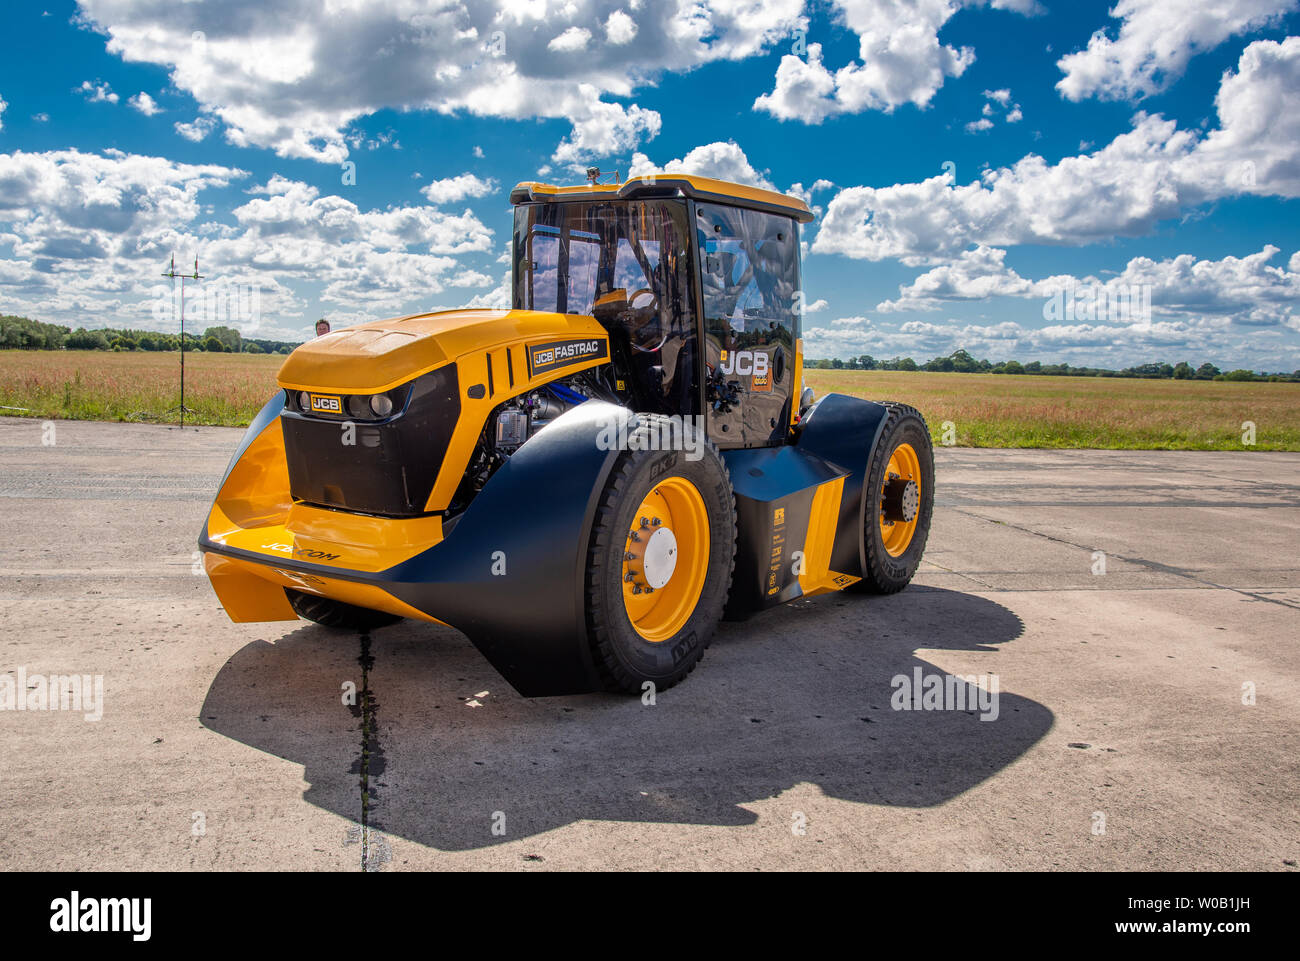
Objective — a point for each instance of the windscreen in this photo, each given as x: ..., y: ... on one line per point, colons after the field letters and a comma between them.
x: 627, y: 264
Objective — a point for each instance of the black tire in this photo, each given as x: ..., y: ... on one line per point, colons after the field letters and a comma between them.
x: 885, y: 573
x: 624, y: 659
x: 337, y: 614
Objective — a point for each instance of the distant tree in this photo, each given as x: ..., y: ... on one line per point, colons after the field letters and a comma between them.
x: 252, y: 348
x: 1012, y: 367
x: 907, y: 363
x: 1183, y: 371
x: 82, y: 339
x: 1034, y: 367
x: 228, y: 336
x: 212, y: 345
x: 867, y: 362
x: 1239, y: 375
x: 1207, y: 371
x: 837, y: 363
x: 962, y: 362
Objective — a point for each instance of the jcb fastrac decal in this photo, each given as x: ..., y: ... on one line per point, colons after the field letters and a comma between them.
x: 744, y: 362
x: 326, y: 404
x: 543, y: 358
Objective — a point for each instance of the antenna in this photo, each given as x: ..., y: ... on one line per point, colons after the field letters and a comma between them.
x: 171, y: 272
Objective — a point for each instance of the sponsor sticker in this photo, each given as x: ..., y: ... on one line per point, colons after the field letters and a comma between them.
x: 543, y: 358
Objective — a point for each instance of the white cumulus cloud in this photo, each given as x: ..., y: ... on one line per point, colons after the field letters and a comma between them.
x: 1156, y: 38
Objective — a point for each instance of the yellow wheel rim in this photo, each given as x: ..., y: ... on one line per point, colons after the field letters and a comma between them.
x: 673, y: 506
x: 903, y: 464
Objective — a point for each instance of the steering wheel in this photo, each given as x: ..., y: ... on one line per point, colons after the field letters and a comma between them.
x: 652, y: 308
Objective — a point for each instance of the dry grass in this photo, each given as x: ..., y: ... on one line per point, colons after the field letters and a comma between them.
x: 224, y: 389
x: 1001, y: 410
x: 986, y: 410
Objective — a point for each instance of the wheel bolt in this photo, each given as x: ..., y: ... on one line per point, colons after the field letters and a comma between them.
x: 629, y: 577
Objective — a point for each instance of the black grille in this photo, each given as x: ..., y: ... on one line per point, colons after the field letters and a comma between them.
x: 390, y: 467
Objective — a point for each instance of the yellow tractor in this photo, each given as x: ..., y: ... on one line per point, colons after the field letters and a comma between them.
x: 584, y: 484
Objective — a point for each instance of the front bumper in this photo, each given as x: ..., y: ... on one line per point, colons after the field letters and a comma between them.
x: 509, y: 571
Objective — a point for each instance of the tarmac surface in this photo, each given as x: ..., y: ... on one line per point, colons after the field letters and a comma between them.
x: 1140, y: 612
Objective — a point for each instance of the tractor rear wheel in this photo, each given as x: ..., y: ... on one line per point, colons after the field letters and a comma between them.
x: 663, y: 549
x: 337, y: 614
x: 900, y: 499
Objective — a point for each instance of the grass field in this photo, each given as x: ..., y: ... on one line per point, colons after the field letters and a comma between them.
x: 1005, y: 410
x: 985, y: 410
x: 223, y: 389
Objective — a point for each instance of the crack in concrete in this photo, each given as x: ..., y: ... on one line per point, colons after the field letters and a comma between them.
x: 374, y: 850
x: 1155, y: 566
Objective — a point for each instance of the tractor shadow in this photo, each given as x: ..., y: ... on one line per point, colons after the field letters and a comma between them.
x: 798, y: 694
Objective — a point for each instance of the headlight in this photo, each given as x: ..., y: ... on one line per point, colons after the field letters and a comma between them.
x: 304, y: 401
x: 357, y: 406
x: 381, y: 405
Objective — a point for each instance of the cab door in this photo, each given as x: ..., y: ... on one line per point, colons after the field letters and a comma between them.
x: 749, y: 284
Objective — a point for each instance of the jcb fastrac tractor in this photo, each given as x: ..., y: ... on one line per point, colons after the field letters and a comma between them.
x: 587, y: 483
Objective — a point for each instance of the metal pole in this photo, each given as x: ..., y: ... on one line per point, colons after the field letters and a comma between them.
x: 182, y: 352
x: 171, y: 272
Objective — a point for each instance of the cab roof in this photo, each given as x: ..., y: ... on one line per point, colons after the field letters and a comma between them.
x: 649, y: 186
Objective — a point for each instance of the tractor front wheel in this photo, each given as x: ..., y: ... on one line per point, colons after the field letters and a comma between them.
x: 662, y: 552
x: 900, y: 498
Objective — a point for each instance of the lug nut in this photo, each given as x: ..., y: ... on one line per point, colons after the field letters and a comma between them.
x: 644, y: 522
x: 633, y: 536
x: 656, y: 522
x: 629, y: 577
x: 629, y: 556
x: 636, y: 588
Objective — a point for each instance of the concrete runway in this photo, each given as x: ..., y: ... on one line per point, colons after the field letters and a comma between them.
x: 1121, y: 741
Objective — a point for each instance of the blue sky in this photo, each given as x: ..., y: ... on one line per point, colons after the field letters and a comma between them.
x: 982, y: 170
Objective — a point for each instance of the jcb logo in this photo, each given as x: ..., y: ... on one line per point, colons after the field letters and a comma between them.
x: 744, y: 362
x: 323, y: 402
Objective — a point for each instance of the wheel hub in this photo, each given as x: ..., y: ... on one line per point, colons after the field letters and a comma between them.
x: 660, y: 558
x: 665, y: 559
x: 901, y: 500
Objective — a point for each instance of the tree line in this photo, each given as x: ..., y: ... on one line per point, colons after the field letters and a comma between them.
x: 961, y: 362
x: 23, y: 333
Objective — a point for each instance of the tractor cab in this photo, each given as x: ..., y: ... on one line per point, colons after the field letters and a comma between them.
x: 696, y: 282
